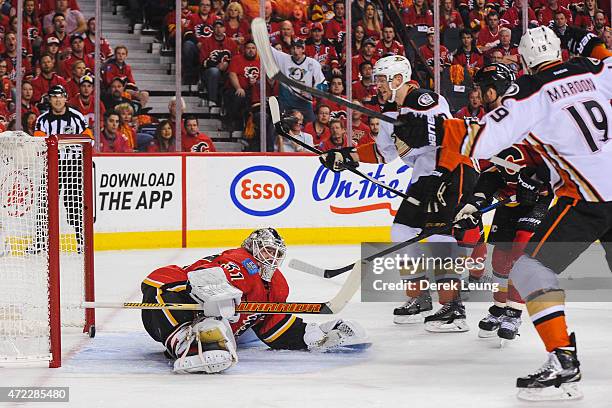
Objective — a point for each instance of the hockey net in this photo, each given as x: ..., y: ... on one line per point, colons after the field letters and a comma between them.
x: 46, y: 252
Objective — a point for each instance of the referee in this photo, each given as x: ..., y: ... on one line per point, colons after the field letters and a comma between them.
x: 61, y: 119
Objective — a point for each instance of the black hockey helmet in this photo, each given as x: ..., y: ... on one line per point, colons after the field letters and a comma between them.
x: 495, y: 75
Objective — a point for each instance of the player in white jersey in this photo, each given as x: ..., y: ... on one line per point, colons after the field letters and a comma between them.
x: 303, y: 69
x: 563, y: 111
x: 392, y: 75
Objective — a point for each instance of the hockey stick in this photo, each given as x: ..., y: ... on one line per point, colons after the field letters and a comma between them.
x: 331, y: 273
x: 275, y: 113
x: 260, y: 36
x: 333, y: 306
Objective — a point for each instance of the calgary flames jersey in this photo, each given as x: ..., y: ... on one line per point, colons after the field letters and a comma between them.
x: 278, y: 331
x: 564, y: 113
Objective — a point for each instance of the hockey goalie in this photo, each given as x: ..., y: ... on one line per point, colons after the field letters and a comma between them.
x: 205, y: 341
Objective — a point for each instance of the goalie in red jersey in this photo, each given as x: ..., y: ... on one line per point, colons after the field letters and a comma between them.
x: 205, y: 341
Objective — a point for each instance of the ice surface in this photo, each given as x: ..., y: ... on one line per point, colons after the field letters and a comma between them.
x: 405, y: 367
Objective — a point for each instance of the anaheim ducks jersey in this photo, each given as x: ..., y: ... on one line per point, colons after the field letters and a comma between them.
x: 564, y: 113
x: 390, y: 147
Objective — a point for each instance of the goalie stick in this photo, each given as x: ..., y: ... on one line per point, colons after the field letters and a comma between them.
x: 331, y: 273
x: 276, y: 117
x: 332, y: 306
x: 260, y: 36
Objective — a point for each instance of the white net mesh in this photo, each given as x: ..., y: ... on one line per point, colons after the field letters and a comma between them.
x: 24, y: 256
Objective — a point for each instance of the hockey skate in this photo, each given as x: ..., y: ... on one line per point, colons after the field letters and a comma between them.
x: 556, y: 380
x: 413, y: 310
x: 490, y: 323
x: 509, y: 325
x: 450, y: 318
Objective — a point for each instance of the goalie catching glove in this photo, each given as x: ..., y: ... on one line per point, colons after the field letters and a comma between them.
x: 338, y: 160
x: 335, y: 334
x: 211, y: 289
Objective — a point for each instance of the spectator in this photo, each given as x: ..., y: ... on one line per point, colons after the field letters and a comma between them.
x: 47, y: 6
x: 371, y: 22
x: 358, y: 11
x: 285, y: 37
x: 28, y: 122
x: 200, y: 27
x: 218, y: 8
x: 368, y: 54
x: 304, y: 69
x: 75, y: 22
x: 170, y: 21
x: 449, y: 17
x: 560, y: 25
x: 126, y: 117
x: 117, y: 67
x: 319, y: 128
x: 215, y: 56
x: 193, y: 140
x: 336, y: 87
x: 547, y: 13
x: 242, y: 86
x: 488, y: 37
x: 365, y: 88
x: 172, y: 112
x: 285, y: 145
x: 427, y: 51
x: 607, y: 37
x: 370, y: 137
x: 322, y: 50
x: 467, y: 55
x: 84, y: 100
x: 32, y: 23
x: 59, y: 32
x: 6, y: 85
x: 236, y: 26
x: 601, y: 22
x: 585, y: 17
x: 301, y: 27
x: 335, y: 28
x: 111, y: 140
x: 418, y: 14
x: 478, y: 16
x: 90, y: 41
x: 508, y: 50
x: 46, y: 79
x: 27, y: 91
x: 337, y: 138
x: 359, y: 128
x: 358, y: 39
x: 496, y: 56
x: 474, y: 108
x: 272, y: 20
x: 513, y: 17
x: 116, y: 95
x: 72, y: 85
x: 77, y: 53
x: 388, y: 45
x: 10, y: 56
x: 164, y: 140
x: 52, y: 47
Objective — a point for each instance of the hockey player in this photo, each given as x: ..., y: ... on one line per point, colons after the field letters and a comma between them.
x: 392, y: 75
x: 205, y: 342
x: 512, y: 224
x: 573, y: 97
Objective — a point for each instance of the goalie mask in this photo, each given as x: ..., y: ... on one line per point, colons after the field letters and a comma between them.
x: 268, y: 248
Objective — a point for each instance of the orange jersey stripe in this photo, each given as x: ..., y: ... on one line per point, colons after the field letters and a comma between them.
x: 552, y: 228
x: 368, y: 153
x: 600, y: 52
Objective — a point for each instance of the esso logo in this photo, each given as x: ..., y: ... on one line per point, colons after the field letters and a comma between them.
x: 262, y: 191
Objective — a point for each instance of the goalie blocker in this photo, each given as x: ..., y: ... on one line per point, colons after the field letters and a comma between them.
x: 206, y: 341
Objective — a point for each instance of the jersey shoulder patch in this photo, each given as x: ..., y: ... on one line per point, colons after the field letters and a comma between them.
x: 421, y: 100
x: 523, y: 87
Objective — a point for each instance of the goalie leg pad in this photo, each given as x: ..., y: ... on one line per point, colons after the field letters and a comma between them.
x: 216, y: 348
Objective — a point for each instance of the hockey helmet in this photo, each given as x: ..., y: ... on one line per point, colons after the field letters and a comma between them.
x: 539, y: 45
x: 268, y: 248
x: 391, y: 66
x: 495, y: 75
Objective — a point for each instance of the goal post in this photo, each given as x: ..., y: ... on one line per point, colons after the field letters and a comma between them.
x: 46, y: 244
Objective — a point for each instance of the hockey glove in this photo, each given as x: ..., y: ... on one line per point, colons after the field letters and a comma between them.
x: 335, y: 334
x: 419, y: 130
x: 434, y: 190
x: 338, y: 160
x: 579, y: 41
x: 469, y: 216
x: 211, y: 289
x: 528, y: 187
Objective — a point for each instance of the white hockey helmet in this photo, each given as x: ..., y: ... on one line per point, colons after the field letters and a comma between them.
x: 391, y: 66
x: 539, y: 45
x: 268, y: 248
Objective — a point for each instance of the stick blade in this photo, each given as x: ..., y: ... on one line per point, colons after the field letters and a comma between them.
x: 307, y: 268
x: 349, y: 288
x: 262, y: 41
x: 274, y: 112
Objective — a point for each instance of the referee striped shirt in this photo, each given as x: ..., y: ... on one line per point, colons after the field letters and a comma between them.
x: 72, y: 122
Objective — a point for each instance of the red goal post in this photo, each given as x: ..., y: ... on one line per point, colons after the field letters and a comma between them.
x: 46, y: 244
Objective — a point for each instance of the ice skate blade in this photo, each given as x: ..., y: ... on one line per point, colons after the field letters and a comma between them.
x: 457, y: 326
x: 411, y: 319
x: 487, y: 334
x: 566, y: 392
